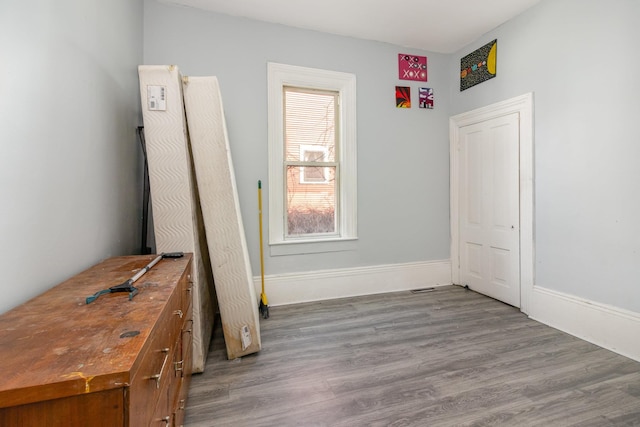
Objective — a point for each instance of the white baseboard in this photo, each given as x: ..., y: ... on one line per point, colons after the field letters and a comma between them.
x: 606, y: 326
x: 609, y: 327
x: 283, y: 289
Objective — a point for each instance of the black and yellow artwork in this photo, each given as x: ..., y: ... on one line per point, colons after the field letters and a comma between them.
x: 479, y: 65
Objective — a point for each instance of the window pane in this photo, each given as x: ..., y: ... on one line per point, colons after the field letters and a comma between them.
x: 312, y: 147
x: 313, y: 174
x: 310, y: 121
x: 311, y: 155
x: 311, y: 200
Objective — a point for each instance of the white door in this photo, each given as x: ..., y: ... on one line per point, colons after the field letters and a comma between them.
x: 489, y: 229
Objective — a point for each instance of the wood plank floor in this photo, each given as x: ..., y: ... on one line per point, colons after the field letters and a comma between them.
x: 450, y: 357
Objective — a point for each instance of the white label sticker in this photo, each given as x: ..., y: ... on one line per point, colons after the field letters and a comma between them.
x: 245, y: 336
x: 157, y: 98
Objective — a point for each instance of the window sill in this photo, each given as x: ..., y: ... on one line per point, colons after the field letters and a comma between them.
x: 312, y: 246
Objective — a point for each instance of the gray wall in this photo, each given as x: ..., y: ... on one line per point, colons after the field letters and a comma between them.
x: 403, y: 155
x: 70, y: 169
x: 580, y: 59
x: 70, y: 174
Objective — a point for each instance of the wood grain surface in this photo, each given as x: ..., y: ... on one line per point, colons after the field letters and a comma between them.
x: 450, y: 357
x: 56, y: 345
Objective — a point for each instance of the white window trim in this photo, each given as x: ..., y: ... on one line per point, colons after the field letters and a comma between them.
x: 278, y: 76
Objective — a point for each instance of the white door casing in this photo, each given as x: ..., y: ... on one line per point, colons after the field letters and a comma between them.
x: 489, y: 241
x: 523, y: 107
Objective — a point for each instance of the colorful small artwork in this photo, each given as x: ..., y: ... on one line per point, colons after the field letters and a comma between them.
x: 412, y: 67
x: 425, y: 97
x: 403, y: 97
x: 479, y: 65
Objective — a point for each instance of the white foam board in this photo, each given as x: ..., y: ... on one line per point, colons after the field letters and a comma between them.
x: 176, y: 213
x: 237, y: 299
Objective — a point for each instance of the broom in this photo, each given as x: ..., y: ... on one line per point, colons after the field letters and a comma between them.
x: 264, y: 304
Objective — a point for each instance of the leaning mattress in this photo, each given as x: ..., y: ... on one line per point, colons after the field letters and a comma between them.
x: 226, y: 240
x: 177, y: 220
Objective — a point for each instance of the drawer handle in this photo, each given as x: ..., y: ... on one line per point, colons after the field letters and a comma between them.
x: 158, y: 376
x: 181, y: 405
x: 189, y: 330
x: 178, y: 366
x: 178, y: 313
x: 166, y: 420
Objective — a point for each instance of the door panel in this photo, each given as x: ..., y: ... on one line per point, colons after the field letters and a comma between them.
x: 489, y: 208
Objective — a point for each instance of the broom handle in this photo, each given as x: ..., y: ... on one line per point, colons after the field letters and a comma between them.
x: 261, y: 250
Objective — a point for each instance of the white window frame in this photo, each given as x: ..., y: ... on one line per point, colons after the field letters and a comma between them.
x: 279, y: 76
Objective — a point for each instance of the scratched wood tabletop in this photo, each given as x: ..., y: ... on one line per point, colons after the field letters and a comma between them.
x: 57, y: 345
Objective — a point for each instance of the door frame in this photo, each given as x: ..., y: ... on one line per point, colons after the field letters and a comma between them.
x: 523, y: 105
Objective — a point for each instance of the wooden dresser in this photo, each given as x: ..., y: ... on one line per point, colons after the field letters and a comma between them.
x: 113, y: 362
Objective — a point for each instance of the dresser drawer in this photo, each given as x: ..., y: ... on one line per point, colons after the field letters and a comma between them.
x: 156, y: 370
x: 172, y: 399
x: 181, y: 403
x: 150, y: 381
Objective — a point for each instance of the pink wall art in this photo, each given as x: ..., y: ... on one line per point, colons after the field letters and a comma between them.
x: 412, y: 67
